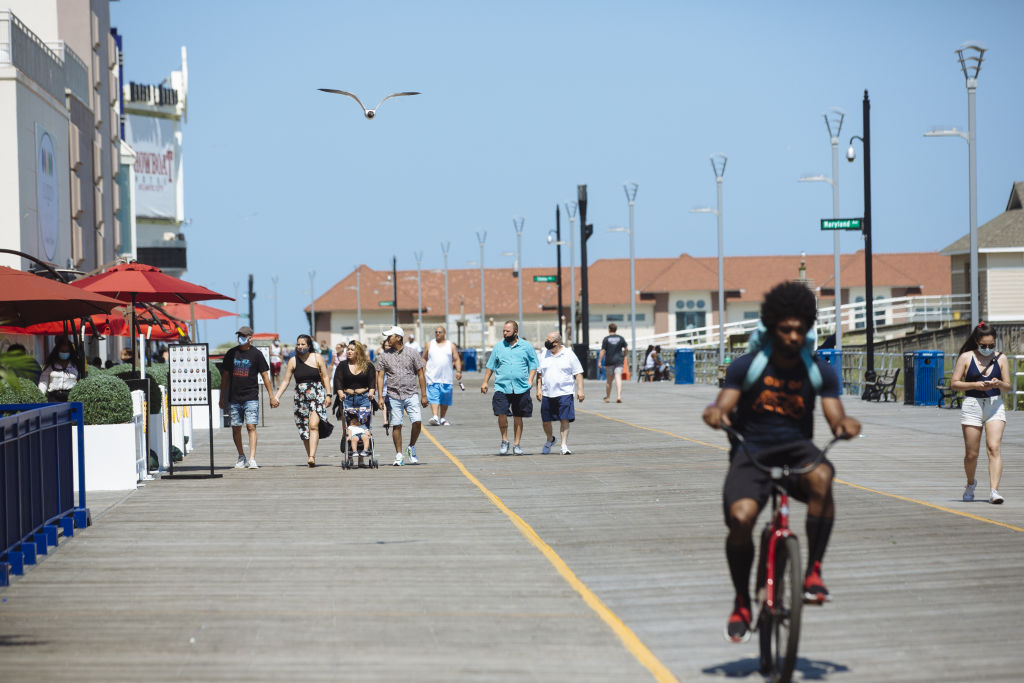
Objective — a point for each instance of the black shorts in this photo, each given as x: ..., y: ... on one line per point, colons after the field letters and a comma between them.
x: 744, y: 480
x: 516, y: 405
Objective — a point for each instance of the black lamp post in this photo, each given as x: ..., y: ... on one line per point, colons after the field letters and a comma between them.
x: 558, y: 257
x: 869, y: 370
x: 585, y: 232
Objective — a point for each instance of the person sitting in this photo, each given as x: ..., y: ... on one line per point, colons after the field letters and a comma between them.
x: 358, y: 435
x: 59, y: 375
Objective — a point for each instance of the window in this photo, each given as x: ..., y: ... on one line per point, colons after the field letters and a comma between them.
x: 751, y: 315
x: 595, y: 317
x: 615, y: 317
x: 640, y: 317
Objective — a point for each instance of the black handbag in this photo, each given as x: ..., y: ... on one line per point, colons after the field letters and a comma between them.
x: 325, y: 428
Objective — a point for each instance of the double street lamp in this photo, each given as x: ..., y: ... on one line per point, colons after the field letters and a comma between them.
x: 570, y: 211
x: 869, y: 370
x: 834, y: 123
x: 718, y: 162
x: 970, y: 56
x: 630, y: 190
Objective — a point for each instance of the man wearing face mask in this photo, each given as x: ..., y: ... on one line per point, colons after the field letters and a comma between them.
x: 559, y: 375
x: 513, y: 362
x: 240, y: 391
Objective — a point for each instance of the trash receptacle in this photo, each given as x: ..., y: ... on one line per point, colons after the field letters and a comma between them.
x: 927, y: 372
x: 685, y: 373
x: 469, y: 360
x: 834, y: 357
x: 588, y: 362
x: 908, y: 378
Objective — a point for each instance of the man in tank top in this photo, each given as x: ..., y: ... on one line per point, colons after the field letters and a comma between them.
x: 441, y: 355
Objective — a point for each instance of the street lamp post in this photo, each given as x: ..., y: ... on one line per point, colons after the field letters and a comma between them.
x: 558, y: 265
x: 869, y: 326
x: 312, y: 306
x: 445, y: 246
x: 970, y: 64
x: 394, y: 291
x: 481, y: 238
x: 630, y: 190
x: 570, y: 211
x: 834, y: 120
x: 419, y: 296
x: 273, y: 279
x: 517, y: 223
x: 716, y: 161
x: 586, y: 231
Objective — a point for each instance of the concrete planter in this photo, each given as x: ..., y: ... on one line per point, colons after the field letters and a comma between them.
x: 110, y: 458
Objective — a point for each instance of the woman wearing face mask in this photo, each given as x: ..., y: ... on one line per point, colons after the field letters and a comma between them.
x: 312, y: 393
x: 59, y: 374
x: 982, y: 373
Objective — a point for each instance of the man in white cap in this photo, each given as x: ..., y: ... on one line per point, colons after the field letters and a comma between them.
x: 403, y: 368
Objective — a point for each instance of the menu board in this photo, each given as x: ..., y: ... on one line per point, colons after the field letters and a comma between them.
x: 189, y: 372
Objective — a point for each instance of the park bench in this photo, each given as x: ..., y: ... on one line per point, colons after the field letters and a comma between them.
x: 884, y: 386
x: 956, y: 398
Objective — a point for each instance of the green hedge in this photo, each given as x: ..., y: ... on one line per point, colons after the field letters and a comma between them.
x: 26, y: 392
x: 124, y: 371
x: 105, y: 399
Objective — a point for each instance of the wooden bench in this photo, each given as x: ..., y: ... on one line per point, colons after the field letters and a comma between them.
x: 956, y: 398
x: 884, y: 386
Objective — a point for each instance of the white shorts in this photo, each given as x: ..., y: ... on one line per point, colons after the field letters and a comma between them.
x: 977, y: 411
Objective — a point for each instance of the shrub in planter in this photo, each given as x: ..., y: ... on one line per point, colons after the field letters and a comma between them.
x: 124, y: 372
x: 158, y: 371
x: 105, y: 399
x: 25, y: 392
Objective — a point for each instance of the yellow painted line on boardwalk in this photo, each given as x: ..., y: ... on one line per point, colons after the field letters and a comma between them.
x: 838, y: 481
x: 635, y: 646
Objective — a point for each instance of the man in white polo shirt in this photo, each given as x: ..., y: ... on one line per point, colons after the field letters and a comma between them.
x: 560, y: 374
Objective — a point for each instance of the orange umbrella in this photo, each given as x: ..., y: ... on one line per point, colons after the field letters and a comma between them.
x: 202, y: 311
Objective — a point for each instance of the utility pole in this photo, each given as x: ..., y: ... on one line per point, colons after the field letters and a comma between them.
x: 252, y: 295
x: 585, y: 232
x: 394, y: 290
x: 558, y: 257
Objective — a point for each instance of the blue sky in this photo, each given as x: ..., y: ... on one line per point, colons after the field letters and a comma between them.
x: 523, y: 101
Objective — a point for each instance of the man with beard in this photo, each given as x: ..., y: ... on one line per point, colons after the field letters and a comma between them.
x: 772, y: 405
x: 514, y: 364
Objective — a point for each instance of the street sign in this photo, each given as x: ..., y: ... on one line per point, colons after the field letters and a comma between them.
x: 545, y: 278
x: 842, y: 223
x: 385, y: 303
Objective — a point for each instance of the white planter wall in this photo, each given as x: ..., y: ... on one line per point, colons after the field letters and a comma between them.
x: 110, y: 458
x: 200, y: 416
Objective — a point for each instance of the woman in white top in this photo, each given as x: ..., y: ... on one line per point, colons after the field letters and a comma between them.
x: 441, y: 356
x: 59, y: 375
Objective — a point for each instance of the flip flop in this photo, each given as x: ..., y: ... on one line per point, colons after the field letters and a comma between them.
x: 618, y: 400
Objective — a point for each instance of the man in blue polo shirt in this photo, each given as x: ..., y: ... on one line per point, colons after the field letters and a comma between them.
x: 513, y: 362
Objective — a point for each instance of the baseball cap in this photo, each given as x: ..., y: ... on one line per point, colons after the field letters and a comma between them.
x: 394, y: 329
x: 245, y: 330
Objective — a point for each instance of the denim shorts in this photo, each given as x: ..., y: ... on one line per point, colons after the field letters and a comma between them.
x: 439, y: 394
x: 410, y: 405
x: 249, y: 409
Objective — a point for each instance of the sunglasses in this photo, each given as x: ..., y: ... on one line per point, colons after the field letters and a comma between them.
x: 986, y: 346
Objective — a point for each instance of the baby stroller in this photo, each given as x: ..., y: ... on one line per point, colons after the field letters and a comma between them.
x: 362, y: 416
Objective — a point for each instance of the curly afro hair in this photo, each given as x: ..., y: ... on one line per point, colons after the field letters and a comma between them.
x: 789, y: 300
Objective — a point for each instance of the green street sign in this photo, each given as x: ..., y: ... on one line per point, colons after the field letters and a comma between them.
x: 385, y: 303
x: 842, y: 223
x: 545, y: 278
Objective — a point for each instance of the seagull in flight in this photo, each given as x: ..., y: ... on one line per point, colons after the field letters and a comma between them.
x: 369, y: 113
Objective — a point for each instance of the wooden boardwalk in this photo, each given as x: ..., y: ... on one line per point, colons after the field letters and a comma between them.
x: 417, y: 574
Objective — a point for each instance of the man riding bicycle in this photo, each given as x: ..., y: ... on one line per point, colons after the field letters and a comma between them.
x: 771, y: 404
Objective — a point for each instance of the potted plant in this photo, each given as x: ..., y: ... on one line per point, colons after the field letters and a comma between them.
x: 111, y: 451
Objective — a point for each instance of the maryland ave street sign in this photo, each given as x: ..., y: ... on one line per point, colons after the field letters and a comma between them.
x: 842, y: 223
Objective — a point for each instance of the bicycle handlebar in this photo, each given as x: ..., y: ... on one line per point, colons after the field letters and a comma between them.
x: 777, y: 472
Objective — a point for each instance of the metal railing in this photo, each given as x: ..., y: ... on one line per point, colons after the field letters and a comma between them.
x: 25, y: 50
x: 37, y: 481
x: 916, y: 310
x: 76, y: 73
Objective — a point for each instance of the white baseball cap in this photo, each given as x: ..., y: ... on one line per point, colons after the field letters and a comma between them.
x: 394, y: 329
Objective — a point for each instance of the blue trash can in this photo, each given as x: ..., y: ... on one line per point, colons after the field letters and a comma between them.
x: 834, y: 357
x: 600, y: 372
x: 928, y: 366
x: 469, y: 360
x: 685, y: 371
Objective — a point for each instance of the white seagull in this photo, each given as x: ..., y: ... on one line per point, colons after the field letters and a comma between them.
x: 369, y: 113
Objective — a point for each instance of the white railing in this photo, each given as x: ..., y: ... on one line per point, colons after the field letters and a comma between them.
x: 924, y: 310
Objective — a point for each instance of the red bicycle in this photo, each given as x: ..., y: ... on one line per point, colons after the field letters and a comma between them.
x: 779, y: 577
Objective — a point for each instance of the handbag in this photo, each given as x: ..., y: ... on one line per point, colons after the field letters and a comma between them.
x: 325, y: 428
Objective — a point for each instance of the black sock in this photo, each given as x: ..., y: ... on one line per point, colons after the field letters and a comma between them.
x: 818, y: 531
x: 740, y: 558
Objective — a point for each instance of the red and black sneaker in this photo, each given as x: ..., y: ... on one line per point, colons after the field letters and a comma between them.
x: 737, y: 630
x: 815, y: 592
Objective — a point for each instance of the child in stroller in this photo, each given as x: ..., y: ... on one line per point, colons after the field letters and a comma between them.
x: 359, y: 441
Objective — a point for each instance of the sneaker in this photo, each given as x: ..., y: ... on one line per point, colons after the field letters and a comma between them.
x: 815, y: 592
x: 969, y: 492
x: 566, y: 451
x: 995, y: 498
x: 252, y: 465
x: 434, y: 422
x: 737, y: 630
x: 240, y: 464
x: 411, y: 452
x: 398, y: 460
x: 504, y: 448
x: 445, y: 423
x: 516, y: 450
x: 547, y: 447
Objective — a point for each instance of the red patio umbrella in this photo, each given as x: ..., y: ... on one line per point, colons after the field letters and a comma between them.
x: 139, y: 282
x: 202, y: 311
x: 27, y: 299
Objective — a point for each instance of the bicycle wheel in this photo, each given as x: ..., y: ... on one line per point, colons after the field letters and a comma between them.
x: 779, y: 628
